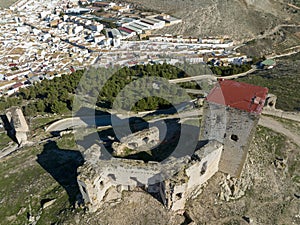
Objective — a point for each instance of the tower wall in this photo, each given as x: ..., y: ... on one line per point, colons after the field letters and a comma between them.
x: 240, y: 129
x: 233, y: 128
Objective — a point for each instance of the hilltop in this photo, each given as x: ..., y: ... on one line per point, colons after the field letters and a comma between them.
x: 6, y: 3
x: 239, y: 19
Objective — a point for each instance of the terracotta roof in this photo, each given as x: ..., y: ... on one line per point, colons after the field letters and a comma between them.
x: 238, y: 95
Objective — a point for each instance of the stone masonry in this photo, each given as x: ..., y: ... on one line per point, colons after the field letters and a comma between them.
x: 231, y: 113
x: 17, y: 125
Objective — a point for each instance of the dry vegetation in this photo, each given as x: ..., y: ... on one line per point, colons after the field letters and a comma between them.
x: 6, y: 3
x: 270, y: 181
x: 239, y: 19
x: 283, y: 81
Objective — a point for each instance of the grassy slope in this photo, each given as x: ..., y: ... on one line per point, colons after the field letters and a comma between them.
x: 283, y: 81
x: 24, y: 183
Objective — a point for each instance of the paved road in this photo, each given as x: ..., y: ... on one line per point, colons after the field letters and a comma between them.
x: 292, y: 51
x: 293, y: 6
x: 69, y: 123
x: 195, y: 91
x: 211, y: 77
x: 75, y: 122
x: 240, y: 74
x: 187, y: 79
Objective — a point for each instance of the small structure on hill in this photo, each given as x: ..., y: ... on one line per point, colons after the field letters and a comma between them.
x: 16, y: 125
x: 231, y: 113
x: 268, y: 64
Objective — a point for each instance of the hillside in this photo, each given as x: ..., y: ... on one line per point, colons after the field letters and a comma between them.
x: 283, y: 81
x: 6, y: 3
x: 267, y: 193
x: 239, y: 19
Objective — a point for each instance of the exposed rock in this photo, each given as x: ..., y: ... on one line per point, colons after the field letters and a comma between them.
x: 47, y: 202
x: 233, y: 188
x: 280, y: 163
x: 65, y: 132
x: 247, y: 219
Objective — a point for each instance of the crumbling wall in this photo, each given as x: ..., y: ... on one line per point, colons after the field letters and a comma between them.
x: 102, y: 181
x: 187, y: 183
x: 18, y: 125
x: 93, y: 186
x: 140, y: 141
x: 203, y: 170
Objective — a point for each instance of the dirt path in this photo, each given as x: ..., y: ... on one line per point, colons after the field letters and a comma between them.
x: 278, y: 127
x: 293, y: 6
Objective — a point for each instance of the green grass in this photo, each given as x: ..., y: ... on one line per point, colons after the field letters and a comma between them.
x: 283, y: 81
x: 24, y: 183
x: 274, y: 143
x: 4, y: 140
x: 67, y: 142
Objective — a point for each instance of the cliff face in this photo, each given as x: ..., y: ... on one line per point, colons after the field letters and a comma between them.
x: 239, y: 19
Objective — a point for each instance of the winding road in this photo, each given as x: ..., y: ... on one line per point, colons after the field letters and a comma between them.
x: 77, y: 122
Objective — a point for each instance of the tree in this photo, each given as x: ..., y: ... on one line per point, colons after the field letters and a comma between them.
x: 40, y: 106
x: 58, y: 107
x: 30, y: 109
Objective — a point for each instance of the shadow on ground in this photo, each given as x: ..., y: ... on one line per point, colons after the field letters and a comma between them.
x: 62, y: 165
x: 9, y: 129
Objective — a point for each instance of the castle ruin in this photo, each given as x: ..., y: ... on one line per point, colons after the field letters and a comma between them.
x: 231, y: 113
x: 16, y: 125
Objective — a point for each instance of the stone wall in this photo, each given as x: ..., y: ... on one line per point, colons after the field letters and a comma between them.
x: 232, y: 127
x: 18, y: 125
x: 213, y: 126
x: 240, y: 129
x: 188, y: 182
x: 102, y: 181
x: 140, y: 141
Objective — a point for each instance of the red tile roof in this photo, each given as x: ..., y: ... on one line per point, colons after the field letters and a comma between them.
x: 238, y: 95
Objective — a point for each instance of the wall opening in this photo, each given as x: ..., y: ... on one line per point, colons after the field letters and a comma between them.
x: 84, y: 190
x: 146, y: 140
x: 204, y: 168
x: 234, y: 137
x: 178, y: 196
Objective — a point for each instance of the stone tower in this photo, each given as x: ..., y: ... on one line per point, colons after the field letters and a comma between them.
x: 17, y: 125
x: 231, y: 113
